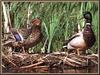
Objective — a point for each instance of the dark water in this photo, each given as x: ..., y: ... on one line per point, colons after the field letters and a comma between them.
x: 64, y: 69
x: 93, y: 69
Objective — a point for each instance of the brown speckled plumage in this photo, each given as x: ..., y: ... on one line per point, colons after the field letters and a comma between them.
x: 35, y: 37
x: 31, y: 36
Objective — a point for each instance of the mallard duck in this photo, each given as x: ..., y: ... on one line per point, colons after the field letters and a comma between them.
x: 83, y: 40
x: 26, y: 38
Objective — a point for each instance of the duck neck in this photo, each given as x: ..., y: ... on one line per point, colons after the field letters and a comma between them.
x: 88, y: 21
x: 35, y: 28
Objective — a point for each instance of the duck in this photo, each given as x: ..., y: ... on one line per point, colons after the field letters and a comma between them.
x: 84, y: 39
x: 25, y: 38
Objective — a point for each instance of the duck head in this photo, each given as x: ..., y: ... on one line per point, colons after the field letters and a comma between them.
x: 36, y: 22
x: 88, y: 21
x: 87, y: 16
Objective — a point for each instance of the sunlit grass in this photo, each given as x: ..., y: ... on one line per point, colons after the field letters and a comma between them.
x: 59, y: 19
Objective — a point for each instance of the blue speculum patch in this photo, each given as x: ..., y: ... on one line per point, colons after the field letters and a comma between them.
x: 17, y: 37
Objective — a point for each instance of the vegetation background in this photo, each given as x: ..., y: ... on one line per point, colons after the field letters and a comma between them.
x: 60, y: 20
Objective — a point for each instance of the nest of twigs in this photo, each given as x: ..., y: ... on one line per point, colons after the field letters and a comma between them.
x: 23, y: 63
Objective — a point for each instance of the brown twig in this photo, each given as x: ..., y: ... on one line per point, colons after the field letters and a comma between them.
x: 8, y: 60
x: 32, y: 65
x: 41, y: 67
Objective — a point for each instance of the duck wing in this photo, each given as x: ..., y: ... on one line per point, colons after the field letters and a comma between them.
x: 74, y: 36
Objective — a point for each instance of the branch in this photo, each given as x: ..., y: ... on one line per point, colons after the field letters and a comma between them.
x: 6, y: 59
x: 29, y: 66
x: 5, y: 17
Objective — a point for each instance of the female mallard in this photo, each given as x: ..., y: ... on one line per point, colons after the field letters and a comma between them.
x: 26, y: 38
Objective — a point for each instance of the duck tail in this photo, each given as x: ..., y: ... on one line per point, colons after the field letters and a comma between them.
x: 64, y: 45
